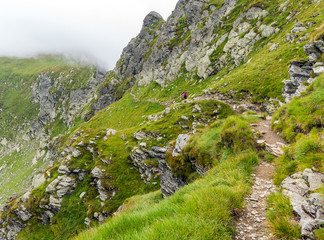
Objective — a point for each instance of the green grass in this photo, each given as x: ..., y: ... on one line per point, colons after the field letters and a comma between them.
x: 307, y: 152
x: 201, y: 210
x: 302, y: 114
x: 21, y: 165
x: 280, y: 216
x: 125, y: 113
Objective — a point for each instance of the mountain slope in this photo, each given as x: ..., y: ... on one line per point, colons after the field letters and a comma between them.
x: 129, y: 127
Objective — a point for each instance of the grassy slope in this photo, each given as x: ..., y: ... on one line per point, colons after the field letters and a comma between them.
x: 201, y: 210
x: 302, y: 114
x: 300, y: 122
x: 126, y: 117
x: 16, y: 78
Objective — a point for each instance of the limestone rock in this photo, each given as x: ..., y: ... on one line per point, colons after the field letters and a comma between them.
x: 65, y: 186
x: 75, y: 152
x: 307, y: 206
x: 55, y: 203
x: 139, y: 159
x: 139, y: 135
x: 64, y: 170
x: 38, y: 180
x: 98, y: 173
x: 182, y: 140
x: 23, y: 213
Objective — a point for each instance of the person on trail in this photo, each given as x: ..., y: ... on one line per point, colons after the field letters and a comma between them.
x: 185, y: 95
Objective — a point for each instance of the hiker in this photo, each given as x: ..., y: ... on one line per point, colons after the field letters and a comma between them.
x: 185, y: 95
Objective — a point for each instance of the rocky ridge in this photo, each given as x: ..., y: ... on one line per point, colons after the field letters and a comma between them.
x: 192, y: 18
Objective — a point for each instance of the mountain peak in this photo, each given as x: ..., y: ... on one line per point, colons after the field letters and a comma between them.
x: 152, y: 18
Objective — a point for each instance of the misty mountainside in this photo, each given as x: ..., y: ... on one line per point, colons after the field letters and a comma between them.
x: 87, y: 154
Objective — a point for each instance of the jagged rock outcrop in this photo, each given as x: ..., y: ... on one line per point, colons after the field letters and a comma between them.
x: 307, y: 204
x: 182, y: 141
x: 140, y: 158
x: 301, y: 71
x: 184, y: 40
x: 132, y: 60
x: 169, y: 182
x: 49, y: 93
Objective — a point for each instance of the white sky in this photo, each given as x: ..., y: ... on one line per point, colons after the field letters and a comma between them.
x: 98, y: 29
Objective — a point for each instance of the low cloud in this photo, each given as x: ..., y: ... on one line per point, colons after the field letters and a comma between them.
x: 96, y: 30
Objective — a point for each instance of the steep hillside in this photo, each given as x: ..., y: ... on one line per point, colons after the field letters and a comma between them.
x: 125, y: 142
x: 40, y: 98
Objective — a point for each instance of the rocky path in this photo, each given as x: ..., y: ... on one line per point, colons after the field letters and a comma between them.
x: 252, y: 223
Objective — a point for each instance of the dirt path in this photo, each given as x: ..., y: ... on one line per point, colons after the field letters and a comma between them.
x: 135, y: 98
x: 252, y: 223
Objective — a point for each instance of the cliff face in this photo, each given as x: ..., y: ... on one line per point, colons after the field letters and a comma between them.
x: 191, y: 36
x: 46, y: 102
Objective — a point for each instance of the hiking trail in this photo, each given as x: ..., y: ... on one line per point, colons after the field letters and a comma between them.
x: 252, y: 223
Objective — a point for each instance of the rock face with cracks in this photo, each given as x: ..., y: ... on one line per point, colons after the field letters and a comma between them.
x: 307, y: 204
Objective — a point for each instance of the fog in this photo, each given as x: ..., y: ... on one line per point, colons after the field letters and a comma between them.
x: 96, y: 30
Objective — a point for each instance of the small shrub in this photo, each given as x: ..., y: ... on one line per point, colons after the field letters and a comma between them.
x: 237, y: 134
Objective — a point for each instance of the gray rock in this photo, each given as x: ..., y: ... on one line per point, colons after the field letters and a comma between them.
x: 87, y: 221
x: 65, y: 186
x: 169, y: 182
x: 139, y: 159
x: 64, y: 170
x: 23, y: 213
x: 75, y: 152
x: 274, y: 47
x: 314, y: 179
x: 55, y: 203
x: 307, y: 206
x: 98, y: 173
x: 298, y: 186
x: 167, y: 110
x: 312, y: 51
x: 318, y: 70
x: 139, y: 135
x: 319, y: 44
x: 38, y: 180
x: 13, y: 196
x: 267, y: 31
x: 82, y: 195
x: 196, y: 109
x: 182, y: 140
x: 51, y: 188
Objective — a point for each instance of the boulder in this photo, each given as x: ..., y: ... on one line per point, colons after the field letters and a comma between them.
x: 65, y: 186
x: 182, y: 141
x: 98, y: 173
x: 64, y: 170
x: 38, y: 180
